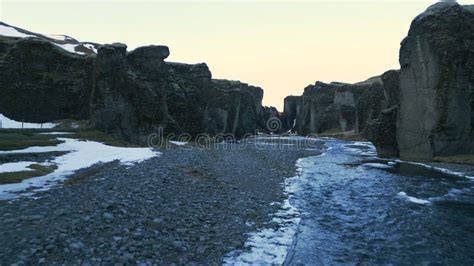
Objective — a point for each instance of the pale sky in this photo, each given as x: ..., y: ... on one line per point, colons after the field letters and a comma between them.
x: 281, y: 46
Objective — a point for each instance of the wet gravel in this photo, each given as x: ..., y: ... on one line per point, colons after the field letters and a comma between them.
x: 189, y: 205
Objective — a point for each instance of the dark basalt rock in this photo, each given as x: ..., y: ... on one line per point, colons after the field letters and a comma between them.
x: 137, y: 93
x: 424, y: 110
x: 437, y: 81
x: 41, y: 82
x: 382, y: 130
x: 126, y: 94
x: 336, y: 106
x: 242, y: 105
x: 291, y: 112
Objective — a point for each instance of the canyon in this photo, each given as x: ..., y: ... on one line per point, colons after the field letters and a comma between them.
x: 422, y: 111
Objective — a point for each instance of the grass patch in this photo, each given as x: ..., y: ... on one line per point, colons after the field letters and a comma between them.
x: 17, y: 177
x: 15, y: 140
x: 352, y: 136
x: 332, y: 131
x: 83, y: 175
x: 457, y: 159
x: 94, y: 135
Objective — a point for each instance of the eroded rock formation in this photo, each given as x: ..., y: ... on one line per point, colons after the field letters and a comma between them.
x: 126, y: 94
x: 136, y: 93
x: 437, y: 81
x: 423, y: 111
x: 41, y: 82
x: 382, y: 129
x: 334, y: 107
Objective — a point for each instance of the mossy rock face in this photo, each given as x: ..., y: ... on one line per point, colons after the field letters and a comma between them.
x: 41, y: 82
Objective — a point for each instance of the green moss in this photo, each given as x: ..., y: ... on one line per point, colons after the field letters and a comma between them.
x: 83, y: 175
x: 457, y: 159
x: 17, y: 177
x: 15, y: 140
x: 345, y: 136
x: 94, y: 135
x: 332, y: 131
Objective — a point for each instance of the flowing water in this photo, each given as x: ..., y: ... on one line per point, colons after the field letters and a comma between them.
x: 355, y: 209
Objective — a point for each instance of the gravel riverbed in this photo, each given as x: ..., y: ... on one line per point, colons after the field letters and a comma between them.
x: 187, y: 205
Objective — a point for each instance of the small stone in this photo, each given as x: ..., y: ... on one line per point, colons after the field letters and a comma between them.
x: 177, y: 244
x: 76, y: 245
x: 108, y: 216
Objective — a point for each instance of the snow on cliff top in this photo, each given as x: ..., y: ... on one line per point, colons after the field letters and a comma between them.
x: 59, y: 37
x: 12, y: 32
x: 63, y: 41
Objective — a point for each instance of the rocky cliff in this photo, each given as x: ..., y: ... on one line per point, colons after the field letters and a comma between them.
x: 125, y: 94
x: 382, y: 128
x: 41, y: 82
x: 422, y: 111
x: 437, y: 81
x: 136, y: 93
x: 333, y: 107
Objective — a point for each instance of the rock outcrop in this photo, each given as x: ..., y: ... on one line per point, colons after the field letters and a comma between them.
x: 436, y: 115
x: 334, y: 107
x: 126, y: 94
x: 382, y: 130
x: 137, y: 93
x: 422, y: 111
x: 41, y: 82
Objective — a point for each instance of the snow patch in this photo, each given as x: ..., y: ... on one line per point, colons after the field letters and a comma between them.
x: 270, y: 246
x: 90, y: 47
x: 58, y: 37
x: 178, y: 143
x: 57, y: 133
x: 83, y: 154
x: 404, y: 195
x: 69, y: 47
x: 12, y: 32
x: 15, y: 167
x: 6, y: 122
x: 377, y: 165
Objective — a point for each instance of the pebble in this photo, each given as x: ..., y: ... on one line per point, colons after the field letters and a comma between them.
x: 156, y: 212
